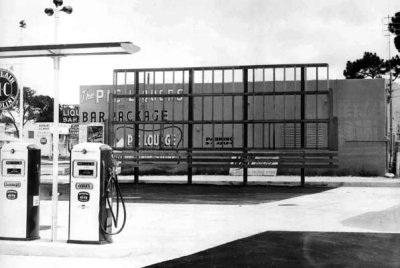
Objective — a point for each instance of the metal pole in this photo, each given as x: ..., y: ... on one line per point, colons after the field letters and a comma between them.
x: 56, y: 11
x: 21, y: 107
x: 391, y: 123
x: 190, y: 126
x: 390, y: 111
x: 136, y: 126
x: 245, y: 103
x: 302, y: 124
x: 21, y: 93
x: 55, y: 138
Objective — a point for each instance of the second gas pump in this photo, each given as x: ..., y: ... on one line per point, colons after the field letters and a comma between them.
x: 94, y: 190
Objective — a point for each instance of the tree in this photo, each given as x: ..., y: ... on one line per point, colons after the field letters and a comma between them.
x: 393, y: 65
x: 368, y: 66
x: 372, y: 66
x: 38, y: 108
x: 394, y: 28
x: 45, y: 106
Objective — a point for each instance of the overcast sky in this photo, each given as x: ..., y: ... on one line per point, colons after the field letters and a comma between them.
x: 194, y: 33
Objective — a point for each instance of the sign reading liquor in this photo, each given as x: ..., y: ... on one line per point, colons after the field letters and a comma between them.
x: 8, y: 89
x: 69, y: 114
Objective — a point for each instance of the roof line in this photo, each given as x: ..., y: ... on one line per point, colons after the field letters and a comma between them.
x: 57, y: 49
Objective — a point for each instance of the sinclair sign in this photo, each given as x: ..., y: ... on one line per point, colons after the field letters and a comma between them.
x: 8, y: 89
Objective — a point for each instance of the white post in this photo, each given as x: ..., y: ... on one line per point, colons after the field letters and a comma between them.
x: 21, y: 107
x: 55, y: 138
x: 56, y: 11
x: 21, y: 92
x: 397, y: 164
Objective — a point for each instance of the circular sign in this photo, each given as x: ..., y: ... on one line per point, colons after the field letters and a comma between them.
x: 8, y: 89
x: 43, y: 140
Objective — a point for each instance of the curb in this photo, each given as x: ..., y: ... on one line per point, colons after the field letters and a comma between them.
x: 46, y: 248
x: 333, y: 184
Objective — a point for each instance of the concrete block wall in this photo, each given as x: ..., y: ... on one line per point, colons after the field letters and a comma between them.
x: 360, y: 106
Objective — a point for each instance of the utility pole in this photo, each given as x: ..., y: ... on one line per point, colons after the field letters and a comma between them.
x: 394, y: 28
x: 390, y: 105
x: 390, y: 100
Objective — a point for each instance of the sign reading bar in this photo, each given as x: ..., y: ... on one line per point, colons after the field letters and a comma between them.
x: 8, y: 89
x: 69, y: 114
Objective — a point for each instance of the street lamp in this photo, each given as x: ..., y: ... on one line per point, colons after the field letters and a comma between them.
x: 56, y: 11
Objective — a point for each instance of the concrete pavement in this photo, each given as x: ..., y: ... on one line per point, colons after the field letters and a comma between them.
x: 157, y: 232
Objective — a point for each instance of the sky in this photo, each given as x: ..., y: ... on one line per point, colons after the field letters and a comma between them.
x: 180, y: 33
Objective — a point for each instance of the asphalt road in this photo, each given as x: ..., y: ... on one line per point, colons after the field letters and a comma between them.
x: 299, y: 249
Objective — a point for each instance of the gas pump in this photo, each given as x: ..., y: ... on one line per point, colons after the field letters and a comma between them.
x: 93, y: 186
x: 19, y: 191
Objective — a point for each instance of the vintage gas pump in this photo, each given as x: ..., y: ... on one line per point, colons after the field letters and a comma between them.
x: 93, y: 186
x: 19, y: 191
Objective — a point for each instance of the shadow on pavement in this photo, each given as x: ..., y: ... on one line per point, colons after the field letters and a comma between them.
x: 299, y: 249
x: 386, y: 220
x: 198, y: 194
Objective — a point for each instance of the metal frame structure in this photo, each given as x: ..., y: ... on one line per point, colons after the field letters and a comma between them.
x: 276, y: 109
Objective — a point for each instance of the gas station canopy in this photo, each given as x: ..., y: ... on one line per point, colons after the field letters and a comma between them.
x: 62, y: 50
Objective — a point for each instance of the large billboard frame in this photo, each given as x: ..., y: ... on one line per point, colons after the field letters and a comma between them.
x: 250, y: 84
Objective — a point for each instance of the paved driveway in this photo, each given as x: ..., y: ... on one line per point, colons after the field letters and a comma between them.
x: 160, y: 231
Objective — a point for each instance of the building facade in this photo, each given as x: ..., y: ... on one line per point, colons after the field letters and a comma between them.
x: 359, y: 105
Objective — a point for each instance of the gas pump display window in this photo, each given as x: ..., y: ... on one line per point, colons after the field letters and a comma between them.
x: 85, y: 163
x: 13, y: 171
x: 86, y: 172
x: 13, y: 168
x: 13, y: 162
x: 84, y: 169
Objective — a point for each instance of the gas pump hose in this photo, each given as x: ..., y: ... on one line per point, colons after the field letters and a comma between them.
x: 113, y: 181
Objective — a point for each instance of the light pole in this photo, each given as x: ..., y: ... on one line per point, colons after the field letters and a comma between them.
x: 56, y: 11
x: 22, y: 26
